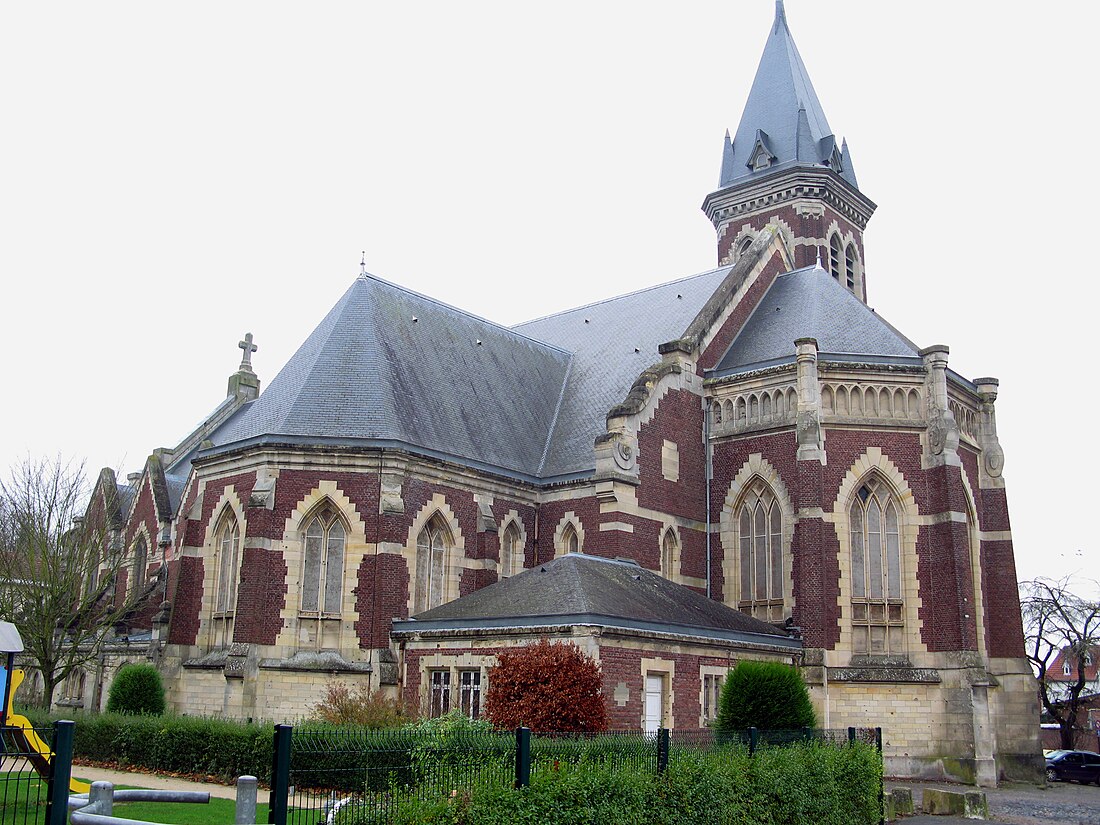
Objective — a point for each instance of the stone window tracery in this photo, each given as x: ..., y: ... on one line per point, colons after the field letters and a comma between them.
x: 760, y: 551
x: 570, y: 540
x: 878, y: 610
x: 432, y: 564
x: 227, y: 541
x: 323, y: 564
x: 511, y: 552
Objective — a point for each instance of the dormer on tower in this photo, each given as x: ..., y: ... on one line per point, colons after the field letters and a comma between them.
x: 784, y: 166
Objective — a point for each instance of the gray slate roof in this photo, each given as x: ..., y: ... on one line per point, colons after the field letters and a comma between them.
x: 388, y: 365
x: 582, y: 589
x: 810, y: 303
x: 528, y: 401
x: 783, y: 113
x: 612, y: 342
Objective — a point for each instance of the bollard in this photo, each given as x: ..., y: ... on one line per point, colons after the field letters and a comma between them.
x: 246, y: 801
x: 102, y: 797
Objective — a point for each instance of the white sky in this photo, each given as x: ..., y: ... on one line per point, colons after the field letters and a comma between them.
x: 174, y: 175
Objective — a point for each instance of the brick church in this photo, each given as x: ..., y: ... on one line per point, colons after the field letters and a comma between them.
x: 748, y: 462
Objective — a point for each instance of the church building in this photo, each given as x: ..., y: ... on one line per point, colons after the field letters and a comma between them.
x: 744, y: 463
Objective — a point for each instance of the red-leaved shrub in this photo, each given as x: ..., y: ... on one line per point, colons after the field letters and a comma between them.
x: 546, y: 687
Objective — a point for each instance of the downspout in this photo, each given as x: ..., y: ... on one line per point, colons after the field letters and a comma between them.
x: 709, y: 459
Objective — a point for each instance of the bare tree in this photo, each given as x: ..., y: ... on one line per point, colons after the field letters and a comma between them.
x: 57, y: 569
x: 1058, y: 621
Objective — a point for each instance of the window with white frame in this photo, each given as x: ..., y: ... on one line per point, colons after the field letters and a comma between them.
x: 323, y: 564
x: 432, y: 546
x: 1066, y: 670
x: 712, y: 693
x: 760, y: 550
x: 878, y: 610
x: 469, y: 692
x: 439, y: 698
x: 227, y: 540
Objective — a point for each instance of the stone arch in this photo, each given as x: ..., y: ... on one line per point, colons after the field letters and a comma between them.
x: 569, y: 520
x: 715, y: 414
x: 913, y: 403
x: 218, y: 630
x: 742, y: 412
x: 326, y: 493
x: 755, y: 467
x: 138, y: 566
x: 727, y: 411
x: 455, y: 558
x: 670, y: 552
x: 874, y: 463
x: 975, y: 555
x: 512, y: 520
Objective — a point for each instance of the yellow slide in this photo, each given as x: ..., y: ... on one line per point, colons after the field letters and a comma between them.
x: 37, y: 752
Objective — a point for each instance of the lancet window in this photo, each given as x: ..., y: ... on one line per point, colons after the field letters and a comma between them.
x: 760, y: 550
x: 432, y: 565
x: 323, y: 564
x: 878, y: 614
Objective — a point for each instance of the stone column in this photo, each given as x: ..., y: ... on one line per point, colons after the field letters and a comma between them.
x: 942, y: 445
x: 993, y: 457
x: 811, y: 441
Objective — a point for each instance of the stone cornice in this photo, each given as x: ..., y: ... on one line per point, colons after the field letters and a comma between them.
x: 789, y: 185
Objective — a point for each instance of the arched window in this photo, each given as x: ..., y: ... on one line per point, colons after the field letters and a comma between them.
x: 836, y: 254
x: 511, y: 552
x: 1066, y: 670
x: 141, y: 560
x: 570, y: 541
x: 227, y: 540
x: 760, y: 546
x: 668, y: 554
x: 877, y: 608
x: 850, y: 264
x: 432, y: 565
x: 323, y: 564
x: 744, y: 246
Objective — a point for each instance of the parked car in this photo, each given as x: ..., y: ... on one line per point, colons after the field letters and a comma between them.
x: 1082, y: 766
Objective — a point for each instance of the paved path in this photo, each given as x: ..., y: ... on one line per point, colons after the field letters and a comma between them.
x: 156, y: 782
x: 1060, y: 803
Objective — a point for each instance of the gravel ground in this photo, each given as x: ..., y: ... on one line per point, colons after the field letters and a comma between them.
x: 1060, y: 803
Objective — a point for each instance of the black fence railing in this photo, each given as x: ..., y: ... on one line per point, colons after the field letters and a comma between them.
x: 333, y: 776
x: 35, y: 767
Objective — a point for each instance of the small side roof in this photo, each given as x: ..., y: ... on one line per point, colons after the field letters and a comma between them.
x: 810, y: 303
x: 583, y: 589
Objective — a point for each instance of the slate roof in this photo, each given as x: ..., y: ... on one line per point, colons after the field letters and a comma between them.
x: 810, y: 303
x: 612, y: 341
x: 582, y: 589
x: 390, y: 366
x: 783, y: 113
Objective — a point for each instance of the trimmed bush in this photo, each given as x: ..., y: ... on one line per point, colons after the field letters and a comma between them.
x: 546, y: 687
x: 802, y: 783
x: 765, y: 695
x: 138, y: 690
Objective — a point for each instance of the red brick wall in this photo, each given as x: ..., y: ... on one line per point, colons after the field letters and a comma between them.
x: 803, y: 226
x: 261, y: 595
x: 679, y: 419
x: 732, y: 325
x: 587, y: 511
x: 186, y: 598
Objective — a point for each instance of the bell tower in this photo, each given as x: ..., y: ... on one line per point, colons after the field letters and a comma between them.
x: 784, y: 166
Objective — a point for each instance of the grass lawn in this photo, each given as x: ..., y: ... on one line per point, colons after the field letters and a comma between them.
x: 23, y: 800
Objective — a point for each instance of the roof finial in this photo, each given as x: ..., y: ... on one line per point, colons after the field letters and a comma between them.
x: 249, y: 348
x: 780, y: 14
x: 363, y: 266
x: 817, y: 263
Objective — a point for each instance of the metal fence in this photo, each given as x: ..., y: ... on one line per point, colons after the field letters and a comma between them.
x: 35, y: 767
x: 331, y: 776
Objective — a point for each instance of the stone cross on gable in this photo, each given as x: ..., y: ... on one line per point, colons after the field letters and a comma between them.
x: 249, y: 348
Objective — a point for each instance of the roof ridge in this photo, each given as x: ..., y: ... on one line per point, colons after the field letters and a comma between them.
x: 554, y: 419
x: 625, y: 295
x: 365, y: 277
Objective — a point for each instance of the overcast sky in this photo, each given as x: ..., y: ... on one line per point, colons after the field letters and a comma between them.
x: 175, y: 175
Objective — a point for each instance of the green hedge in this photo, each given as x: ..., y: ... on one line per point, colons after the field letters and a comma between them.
x: 801, y: 784
x: 182, y: 744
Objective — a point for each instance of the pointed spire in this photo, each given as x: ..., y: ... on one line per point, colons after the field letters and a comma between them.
x: 781, y: 104
x: 849, y: 173
x: 727, y: 160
